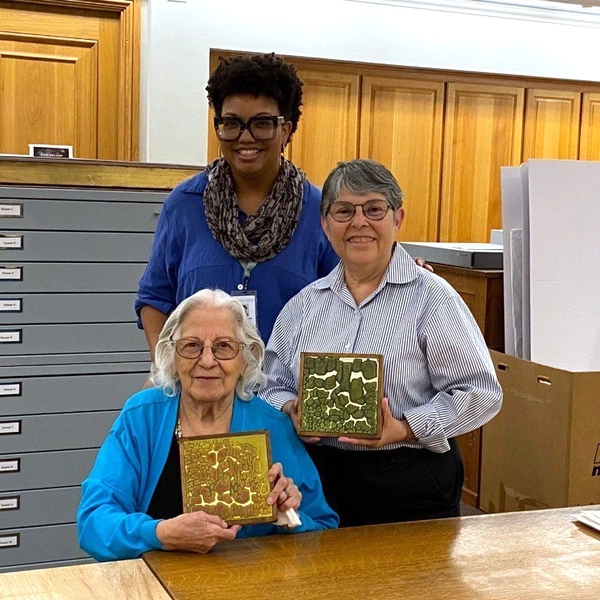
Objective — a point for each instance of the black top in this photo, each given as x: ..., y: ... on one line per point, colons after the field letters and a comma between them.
x: 167, y: 500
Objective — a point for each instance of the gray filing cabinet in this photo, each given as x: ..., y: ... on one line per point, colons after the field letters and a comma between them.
x: 70, y: 353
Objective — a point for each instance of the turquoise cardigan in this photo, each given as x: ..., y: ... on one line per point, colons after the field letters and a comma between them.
x: 112, y: 522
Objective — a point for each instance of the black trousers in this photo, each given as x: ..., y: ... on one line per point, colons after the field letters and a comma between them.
x: 367, y: 487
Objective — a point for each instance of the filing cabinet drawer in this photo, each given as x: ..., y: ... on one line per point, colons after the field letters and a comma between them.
x: 71, y: 339
x: 81, y: 215
x: 66, y: 308
x: 54, y: 432
x: 39, y: 544
x: 18, y: 246
x: 39, y: 507
x: 64, y: 394
x: 23, y: 277
x: 38, y: 470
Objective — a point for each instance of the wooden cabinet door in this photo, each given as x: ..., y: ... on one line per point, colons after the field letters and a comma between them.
x: 401, y: 127
x: 483, y: 132
x: 589, y: 142
x: 69, y: 76
x: 328, y: 129
x: 551, y: 124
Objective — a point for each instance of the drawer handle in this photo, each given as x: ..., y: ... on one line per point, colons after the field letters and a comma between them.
x: 10, y: 502
x: 10, y: 427
x: 11, y: 305
x: 10, y: 389
x: 11, y: 273
x: 11, y: 242
x: 12, y: 540
x: 11, y: 210
x: 10, y: 466
x: 11, y: 337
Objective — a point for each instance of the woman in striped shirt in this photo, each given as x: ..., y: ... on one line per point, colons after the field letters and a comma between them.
x: 439, y: 381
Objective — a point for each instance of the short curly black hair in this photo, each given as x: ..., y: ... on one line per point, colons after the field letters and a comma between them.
x: 261, y: 75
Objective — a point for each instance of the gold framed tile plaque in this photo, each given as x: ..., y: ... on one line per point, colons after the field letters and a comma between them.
x: 227, y: 475
x: 340, y: 394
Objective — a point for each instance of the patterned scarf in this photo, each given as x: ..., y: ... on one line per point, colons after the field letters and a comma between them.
x: 264, y: 234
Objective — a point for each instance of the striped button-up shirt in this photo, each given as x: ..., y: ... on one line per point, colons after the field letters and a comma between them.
x: 438, y: 374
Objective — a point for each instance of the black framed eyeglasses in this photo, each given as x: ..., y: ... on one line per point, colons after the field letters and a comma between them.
x: 262, y: 127
x: 374, y: 210
x: 221, y: 349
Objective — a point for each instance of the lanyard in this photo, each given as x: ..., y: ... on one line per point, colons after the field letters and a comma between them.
x: 247, y: 265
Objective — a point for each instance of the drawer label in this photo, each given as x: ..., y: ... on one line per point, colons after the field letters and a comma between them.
x: 12, y: 209
x: 11, y: 337
x: 11, y: 273
x: 11, y: 304
x: 10, y: 389
x: 10, y: 466
x: 11, y: 242
x: 9, y: 541
x: 9, y: 502
x: 10, y: 427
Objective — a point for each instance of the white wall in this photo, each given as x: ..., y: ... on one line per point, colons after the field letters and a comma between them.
x: 177, y: 37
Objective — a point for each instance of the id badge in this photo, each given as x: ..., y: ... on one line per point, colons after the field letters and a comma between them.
x: 248, y: 299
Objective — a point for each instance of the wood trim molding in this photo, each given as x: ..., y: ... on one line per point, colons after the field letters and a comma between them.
x: 92, y: 173
x: 116, y: 5
x: 562, y: 12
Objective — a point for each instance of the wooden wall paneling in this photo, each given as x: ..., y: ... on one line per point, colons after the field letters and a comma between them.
x: 401, y: 127
x: 328, y: 129
x: 589, y: 142
x: 98, y: 95
x: 34, y: 68
x: 483, y: 132
x: 551, y: 124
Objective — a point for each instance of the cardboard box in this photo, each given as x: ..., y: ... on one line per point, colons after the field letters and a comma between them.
x: 543, y: 449
x: 470, y: 255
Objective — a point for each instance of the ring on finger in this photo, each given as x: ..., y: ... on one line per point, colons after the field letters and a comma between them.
x: 287, y: 492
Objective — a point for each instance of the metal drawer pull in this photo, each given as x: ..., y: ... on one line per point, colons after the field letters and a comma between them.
x: 11, y: 242
x: 11, y: 210
x: 11, y: 305
x: 10, y: 389
x: 11, y: 273
x: 11, y: 337
x: 10, y: 466
x: 10, y: 541
x: 10, y: 427
x: 10, y: 502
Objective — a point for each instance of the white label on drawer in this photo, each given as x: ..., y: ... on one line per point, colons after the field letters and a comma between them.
x: 11, y: 242
x: 10, y: 337
x: 10, y: 389
x: 11, y: 210
x: 11, y: 503
x: 10, y: 427
x: 11, y: 304
x: 10, y: 466
x: 9, y: 541
x: 11, y: 273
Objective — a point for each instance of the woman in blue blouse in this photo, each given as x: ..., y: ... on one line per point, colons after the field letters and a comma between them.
x: 249, y: 223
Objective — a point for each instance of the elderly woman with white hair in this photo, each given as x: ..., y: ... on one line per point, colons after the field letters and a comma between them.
x: 208, y: 362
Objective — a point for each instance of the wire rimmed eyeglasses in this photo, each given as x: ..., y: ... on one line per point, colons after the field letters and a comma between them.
x: 374, y: 210
x: 221, y: 349
x: 262, y: 127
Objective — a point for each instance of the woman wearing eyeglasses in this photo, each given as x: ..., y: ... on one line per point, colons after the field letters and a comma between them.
x: 208, y: 362
x: 439, y: 381
x: 249, y: 224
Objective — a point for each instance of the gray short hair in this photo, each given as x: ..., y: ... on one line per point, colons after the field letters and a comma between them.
x: 163, y: 371
x: 360, y: 177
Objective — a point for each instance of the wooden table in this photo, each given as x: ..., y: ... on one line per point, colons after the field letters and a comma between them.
x: 130, y: 579
x: 541, y: 555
